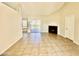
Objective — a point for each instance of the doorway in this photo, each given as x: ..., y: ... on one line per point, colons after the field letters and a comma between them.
x: 32, y: 26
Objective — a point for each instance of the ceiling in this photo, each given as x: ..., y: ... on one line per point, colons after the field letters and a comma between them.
x: 36, y: 8
x: 40, y: 8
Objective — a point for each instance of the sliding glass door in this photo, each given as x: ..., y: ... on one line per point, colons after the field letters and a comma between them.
x: 35, y: 26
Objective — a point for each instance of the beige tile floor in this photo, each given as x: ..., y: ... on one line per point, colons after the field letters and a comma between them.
x: 43, y: 44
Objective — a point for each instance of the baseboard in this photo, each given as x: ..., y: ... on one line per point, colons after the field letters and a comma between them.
x: 76, y: 42
x: 62, y: 35
x: 10, y: 45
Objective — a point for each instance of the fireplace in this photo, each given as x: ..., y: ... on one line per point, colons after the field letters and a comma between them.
x: 53, y: 29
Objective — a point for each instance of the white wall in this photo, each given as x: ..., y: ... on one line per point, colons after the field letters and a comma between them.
x: 45, y: 21
x: 69, y: 9
x: 10, y: 27
x: 58, y: 18
x: 76, y: 40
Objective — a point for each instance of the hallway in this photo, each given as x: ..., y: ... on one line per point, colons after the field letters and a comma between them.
x: 44, y: 44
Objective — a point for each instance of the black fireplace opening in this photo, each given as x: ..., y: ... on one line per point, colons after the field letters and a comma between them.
x: 53, y: 29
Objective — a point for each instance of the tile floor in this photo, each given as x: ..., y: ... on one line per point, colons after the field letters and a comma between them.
x: 45, y: 44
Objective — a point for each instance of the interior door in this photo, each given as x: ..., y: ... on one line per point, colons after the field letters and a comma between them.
x: 24, y: 25
x: 66, y: 27
x: 69, y: 26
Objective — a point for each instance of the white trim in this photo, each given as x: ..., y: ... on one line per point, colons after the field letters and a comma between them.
x: 61, y: 35
x: 8, y: 7
x: 76, y: 42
